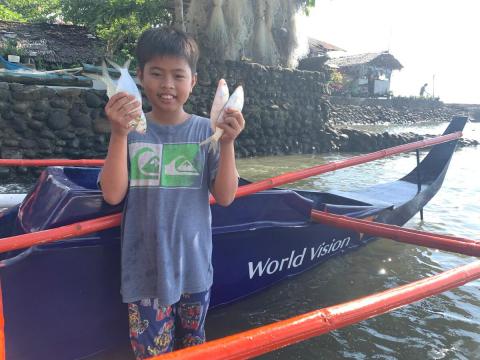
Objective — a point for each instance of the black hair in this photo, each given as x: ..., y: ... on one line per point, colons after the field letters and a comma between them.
x: 164, y: 42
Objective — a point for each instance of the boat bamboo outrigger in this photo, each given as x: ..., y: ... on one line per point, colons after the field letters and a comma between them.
x: 271, y: 234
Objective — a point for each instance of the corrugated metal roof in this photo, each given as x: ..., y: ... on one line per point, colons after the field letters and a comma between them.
x: 384, y: 59
x: 321, y: 46
x: 53, y: 43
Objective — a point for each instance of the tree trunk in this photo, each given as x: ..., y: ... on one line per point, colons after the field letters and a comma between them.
x: 179, y: 23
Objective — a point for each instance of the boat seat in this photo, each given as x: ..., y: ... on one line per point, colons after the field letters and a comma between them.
x: 63, y: 195
x: 391, y: 194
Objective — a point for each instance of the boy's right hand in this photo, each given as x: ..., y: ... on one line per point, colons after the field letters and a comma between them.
x: 120, y: 110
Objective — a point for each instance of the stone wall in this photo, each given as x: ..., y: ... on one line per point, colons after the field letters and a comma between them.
x: 346, y: 111
x: 285, y: 111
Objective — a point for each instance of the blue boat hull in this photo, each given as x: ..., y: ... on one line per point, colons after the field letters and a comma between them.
x: 62, y: 300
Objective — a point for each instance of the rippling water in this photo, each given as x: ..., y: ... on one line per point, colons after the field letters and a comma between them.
x: 440, y: 327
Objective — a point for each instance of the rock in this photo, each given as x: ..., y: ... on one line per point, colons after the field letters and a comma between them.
x: 41, y: 106
x: 4, y: 172
x: 47, y: 134
x: 58, y: 119
x: 80, y: 120
x: 93, y: 100
x: 60, y: 103
x: 65, y: 134
x: 35, y: 125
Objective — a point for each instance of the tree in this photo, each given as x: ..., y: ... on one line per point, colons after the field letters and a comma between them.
x: 261, y: 30
x: 179, y: 21
x: 30, y: 10
x: 118, y: 22
x: 9, y: 15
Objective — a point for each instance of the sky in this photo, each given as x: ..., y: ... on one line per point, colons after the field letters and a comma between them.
x: 437, y: 41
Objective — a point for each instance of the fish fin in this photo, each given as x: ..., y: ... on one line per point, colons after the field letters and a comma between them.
x: 206, y: 141
x: 213, y: 146
x: 114, y: 64
x: 111, y: 87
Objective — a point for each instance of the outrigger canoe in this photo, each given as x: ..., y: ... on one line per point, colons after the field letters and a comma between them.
x: 61, y: 300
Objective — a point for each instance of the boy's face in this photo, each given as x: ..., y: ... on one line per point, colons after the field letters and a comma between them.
x: 167, y: 82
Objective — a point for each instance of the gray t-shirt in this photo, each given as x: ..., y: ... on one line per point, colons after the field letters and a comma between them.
x: 166, y: 229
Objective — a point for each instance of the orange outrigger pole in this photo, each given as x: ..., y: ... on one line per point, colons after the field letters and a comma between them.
x: 85, y: 227
x: 270, y: 337
x: 397, y: 233
x: 51, y: 162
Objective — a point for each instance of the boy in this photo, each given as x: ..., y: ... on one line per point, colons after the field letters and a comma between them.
x: 166, y: 230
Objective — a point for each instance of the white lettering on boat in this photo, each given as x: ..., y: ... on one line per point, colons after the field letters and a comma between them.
x: 295, y: 259
x: 323, y: 250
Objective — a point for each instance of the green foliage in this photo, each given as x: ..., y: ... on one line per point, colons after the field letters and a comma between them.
x: 306, y: 5
x: 10, y: 48
x: 9, y: 15
x: 118, y: 22
x: 30, y: 10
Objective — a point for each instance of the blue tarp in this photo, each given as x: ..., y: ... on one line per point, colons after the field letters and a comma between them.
x: 12, y: 66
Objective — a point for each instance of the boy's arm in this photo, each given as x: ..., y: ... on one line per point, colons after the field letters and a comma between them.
x: 120, y: 110
x: 114, y: 176
x: 226, y: 182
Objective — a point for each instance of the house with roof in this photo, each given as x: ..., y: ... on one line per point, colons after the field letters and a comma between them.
x: 365, y: 75
x: 317, y: 55
x: 51, y: 45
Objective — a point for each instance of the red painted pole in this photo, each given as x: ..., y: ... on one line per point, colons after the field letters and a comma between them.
x: 270, y: 337
x: 51, y: 162
x: 41, y: 237
x: 442, y: 242
x: 336, y: 165
x: 60, y: 233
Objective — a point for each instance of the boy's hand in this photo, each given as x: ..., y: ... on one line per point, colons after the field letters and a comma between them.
x: 233, y: 123
x: 121, y: 109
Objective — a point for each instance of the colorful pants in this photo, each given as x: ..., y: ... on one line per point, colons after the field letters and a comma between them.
x: 156, y: 329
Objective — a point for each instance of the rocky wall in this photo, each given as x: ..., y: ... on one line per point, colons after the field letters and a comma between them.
x: 345, y: 111
x: 284, y: 110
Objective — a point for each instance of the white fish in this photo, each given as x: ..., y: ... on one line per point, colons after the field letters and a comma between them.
x: 234, y: 102
x: 124, y: 84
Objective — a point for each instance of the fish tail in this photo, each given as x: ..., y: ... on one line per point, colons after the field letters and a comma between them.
x: 114, y: 64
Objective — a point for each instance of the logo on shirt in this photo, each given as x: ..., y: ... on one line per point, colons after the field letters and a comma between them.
x: 182, y: 165
x: 166, y: 165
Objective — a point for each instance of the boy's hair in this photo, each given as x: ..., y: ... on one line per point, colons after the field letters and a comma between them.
x: 164, y: 42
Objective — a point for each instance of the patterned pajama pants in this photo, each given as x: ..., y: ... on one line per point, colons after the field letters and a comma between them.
x: 156, y: 329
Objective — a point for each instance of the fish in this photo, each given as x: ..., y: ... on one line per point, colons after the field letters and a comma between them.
x: 124, y: 84
x: 221, y: 102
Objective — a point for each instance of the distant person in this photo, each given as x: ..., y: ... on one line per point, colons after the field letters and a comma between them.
x: 423, y: 91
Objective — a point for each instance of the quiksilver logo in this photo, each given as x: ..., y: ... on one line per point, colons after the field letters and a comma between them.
x: 145, y: 165
x: 180, y: 166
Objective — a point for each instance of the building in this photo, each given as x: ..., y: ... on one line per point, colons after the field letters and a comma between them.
x: 365, y: 75
x: 50, y: 45
x: 317, y: 55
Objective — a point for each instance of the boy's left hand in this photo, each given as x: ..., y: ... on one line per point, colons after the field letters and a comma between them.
x: 233, y: 123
